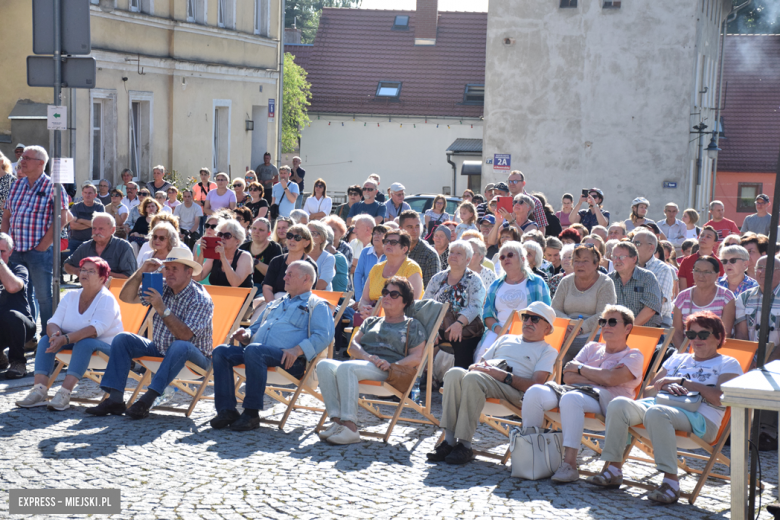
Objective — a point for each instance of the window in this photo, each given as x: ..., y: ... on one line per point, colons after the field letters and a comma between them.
x: 135, y: 5
x: 226, y: 14
x: 102, y: 142
x: 474, y: 95
x: 97, y: 140
x: 221, y: 136
x: 401, y: 23
x: 196, y: 11
x: 142, y: 6
x: 262, y: 17
x: 388, y: 89
x: 568, y: 3
x: 746, y: 196
x: 611, y: 4
x: 140, y: 133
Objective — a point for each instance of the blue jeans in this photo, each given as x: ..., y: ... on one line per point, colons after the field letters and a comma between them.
x: 40, y: 266
x: 127, y: 347
x: 79, y: 361
x: 257, y: 358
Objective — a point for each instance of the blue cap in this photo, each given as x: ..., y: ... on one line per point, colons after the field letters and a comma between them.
x: 488, y: 218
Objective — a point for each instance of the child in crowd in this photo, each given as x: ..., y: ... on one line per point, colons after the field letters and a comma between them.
x: 468, y: 218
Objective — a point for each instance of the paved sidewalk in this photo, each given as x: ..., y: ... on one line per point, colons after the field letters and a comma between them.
x: 169, y: 467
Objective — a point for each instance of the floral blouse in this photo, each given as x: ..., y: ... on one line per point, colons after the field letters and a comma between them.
x: 465, y: 297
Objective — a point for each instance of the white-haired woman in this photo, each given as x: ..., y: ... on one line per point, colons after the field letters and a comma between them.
x: 234, y: 266
x: 162, y: 238
x: 522, y: 206
x: 735, y: 261
x: 534, y: 255
x: 463, y: 289
x: 514, y: 290
x: 566, y: 268
x: 299, y: 216
x: 488, y: 275
x: 326, y: 262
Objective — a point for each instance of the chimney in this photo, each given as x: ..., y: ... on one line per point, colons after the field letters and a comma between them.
x: 425, y: 22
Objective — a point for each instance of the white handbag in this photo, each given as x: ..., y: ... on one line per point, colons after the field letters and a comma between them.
x: 536, y: 453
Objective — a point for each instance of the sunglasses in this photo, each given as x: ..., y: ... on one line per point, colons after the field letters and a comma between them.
x: 144, y: 193
x: 297, y: 238
x: 391, y: 242
x: 254, y: 189
x: 702, y: 334
x: 160, y: 237
x: 226, y: 236
x: 392, y: 294
x: 730, y: 260
x: 319, y: 185
x: 612, y: 322
x: 533, y: 319
x: 210, y: 226
x: 116, y: 195
x: 508, y: 255
x: 369, y: 189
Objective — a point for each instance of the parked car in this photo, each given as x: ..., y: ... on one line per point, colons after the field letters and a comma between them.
x: 422, y: 203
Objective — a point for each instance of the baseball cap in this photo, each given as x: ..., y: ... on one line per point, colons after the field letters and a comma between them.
x: 20, y: 145
x: 490, y: 186
x: 763, y: 197
x: 397, y: 186
x: 490, y: 219
x: 541, y: 309
x: 501, y: 187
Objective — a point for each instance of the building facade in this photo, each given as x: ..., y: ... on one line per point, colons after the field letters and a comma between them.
x: 183, y: 83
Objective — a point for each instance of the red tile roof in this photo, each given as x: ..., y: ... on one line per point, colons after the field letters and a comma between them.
x: 355, y: 49
x: 751, y: 106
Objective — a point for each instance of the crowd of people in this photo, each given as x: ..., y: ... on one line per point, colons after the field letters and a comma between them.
x: 506, y: 250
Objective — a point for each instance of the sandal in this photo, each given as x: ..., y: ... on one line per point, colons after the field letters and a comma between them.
x: 605, y: 480
x: 664, y: 494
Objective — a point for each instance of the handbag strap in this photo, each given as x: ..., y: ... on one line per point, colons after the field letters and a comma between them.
x: 406, y: 346
x: 547, y: 452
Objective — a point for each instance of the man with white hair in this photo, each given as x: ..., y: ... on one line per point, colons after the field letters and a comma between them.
x: 29, y: 218
x: 289, y: 333
x: 749, y: 303
x: 617, y: 231
x: 396, y: 203
x: 672, y: 227
x: 380, y: 197
x: 646, y: 243
x: 116, y: 252
x: 364, y: 227
x: 16, y: 319
x: 722, y: 225
x: 369, y: 205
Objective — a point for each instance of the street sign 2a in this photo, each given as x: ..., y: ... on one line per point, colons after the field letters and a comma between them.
x: 502, y: 161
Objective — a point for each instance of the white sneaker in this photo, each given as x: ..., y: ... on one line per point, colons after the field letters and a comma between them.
x: 344, y: 435
x: 60, y: 401
x: 566, y: 473
x: 327, y: 432
x: 36, y: 397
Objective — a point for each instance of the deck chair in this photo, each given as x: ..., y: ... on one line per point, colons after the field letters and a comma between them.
x: 230, y: 305
x: 135, y: 319
x: 279, y: 380
x: 744, y: 352
x: 435, y: 313
x: 644, y: 339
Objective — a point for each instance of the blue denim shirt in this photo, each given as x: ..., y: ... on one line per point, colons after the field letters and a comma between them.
x: 366, y: 261
x: 285, y: 324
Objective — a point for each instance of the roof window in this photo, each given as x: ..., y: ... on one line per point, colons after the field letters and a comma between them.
x: 611, y: 4
x: 568, y: 3
x: 401, y: 23
x: 474, y: 94
x: 388, y: 89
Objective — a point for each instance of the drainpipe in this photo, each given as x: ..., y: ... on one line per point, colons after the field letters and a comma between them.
x: 454, y: 173
x: 280, y: 101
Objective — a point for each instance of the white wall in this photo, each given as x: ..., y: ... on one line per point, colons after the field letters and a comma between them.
x: 412, y: 154
x: 593, y: 97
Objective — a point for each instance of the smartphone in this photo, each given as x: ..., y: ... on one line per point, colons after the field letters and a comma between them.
x: 153, y: 281
x: 210, y: 243
x: 504, y: 202
x: 585, y: 193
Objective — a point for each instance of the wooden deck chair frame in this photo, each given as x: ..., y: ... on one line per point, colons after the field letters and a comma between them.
x: 135, y: 319
x: 744, y: 351
x: 192, y: 379
x: 382, y: 388
x: 277, y: 376
x: 596, y: 421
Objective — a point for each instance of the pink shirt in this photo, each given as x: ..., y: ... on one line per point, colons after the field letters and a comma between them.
x: 594, y: 355
x: 684, y: 302
x: 563, y: 218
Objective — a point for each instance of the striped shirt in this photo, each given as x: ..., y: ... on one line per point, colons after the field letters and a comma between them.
x: 641, y: 290
x: 665, y: 274
x: 749, y: 308
x: 684, y: 302
x: 32, y: 210
x: 538, y: 215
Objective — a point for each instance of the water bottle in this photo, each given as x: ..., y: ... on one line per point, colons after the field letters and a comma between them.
x: 166, y: 396
x: 416, y: 391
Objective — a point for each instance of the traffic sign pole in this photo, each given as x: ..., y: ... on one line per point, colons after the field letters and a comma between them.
x: 56, y: 232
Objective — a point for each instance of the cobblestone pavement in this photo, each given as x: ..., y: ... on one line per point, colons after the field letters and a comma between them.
x: 169, y: 466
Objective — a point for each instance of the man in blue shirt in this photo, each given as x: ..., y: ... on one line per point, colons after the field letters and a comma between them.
x: 289, y: 333
x: 285, y: 192
x: 369, y: 205
x: 396, y: 204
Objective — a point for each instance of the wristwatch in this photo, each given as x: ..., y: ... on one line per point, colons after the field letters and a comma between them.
x: 508, y: 380
x: 166, y: 313
x: 579, y: 369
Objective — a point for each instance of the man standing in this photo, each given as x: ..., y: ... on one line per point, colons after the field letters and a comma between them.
x: 646, y: 243
x: 117, y: 253
x: 369, y: 205
x: 267, y: 175
x: 707, y: 244
x: 289, y: 333
x: 419, y: 250
x: 516, y: 183
x: 158, y: 182
x: 81, y: 225
x: 380, y: 197
x: 127, y: 177
x: 131, y: 200
x: 18, y: 151
x: 723, y: 226
x: 285, y: 192
x: 16, y: 320
x: 636, y: 288
x: 672, y: 227
x: 758, y: 222
x: 482, y: 207
x: 181, y: 332
x: 28, y: 214
x: 189, y: 215
x: 396, y: 205
x: 592, y: 216
x: 296, y: 175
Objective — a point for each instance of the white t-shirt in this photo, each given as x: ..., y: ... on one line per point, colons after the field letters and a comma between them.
x: 188, y: 216
x: 357, y: 248
x: 130, y: 204
x: 103, y: 314
x: 511, y: 298
x: 144, y: 253
x: 690, y: 233
x: 315, y: 206
x: 706, y: 373
x: 524, y: 357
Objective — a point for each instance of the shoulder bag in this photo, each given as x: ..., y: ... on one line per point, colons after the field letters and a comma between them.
x: 690, y: 402
x: 536, y: 453
x: 400, y: 377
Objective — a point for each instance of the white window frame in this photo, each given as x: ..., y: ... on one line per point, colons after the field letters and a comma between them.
x: 263, y: 17
x: 226, y: 14
x: 197, y: 11
x: 143, y: 164
x: 107, y: 98
x: 142, y: 6
x: 216, y: 104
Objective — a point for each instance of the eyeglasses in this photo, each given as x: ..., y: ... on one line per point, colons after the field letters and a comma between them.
x: 585, y: 244
x: 28, y: 158
x: 391, y: 242
x: 369, y: 189
x: 392, y: 294
x: 220, y: 179
x: 702, y: 334
x: 297, y: 238
x: 315, y: 233
x: 160, y: 237
x: 620, y: 258
x: 637, y: 243
x: 254, y: 189
x: 612, y: 322
x: 88, y: 271
x: 697, y: 271
x: 534, y: 319
x: 508, y: 255
x: 730, y: 260
x: 226, y: 236
x: 210, y: 226
x: 116, y: 194
x: 515, y: 181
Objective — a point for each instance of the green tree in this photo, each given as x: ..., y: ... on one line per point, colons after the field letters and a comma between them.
x: 760, y: 17
x: 297, y: 93
x: 305, y: 14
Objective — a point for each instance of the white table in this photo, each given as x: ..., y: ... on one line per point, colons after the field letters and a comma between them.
x: 754, y: 390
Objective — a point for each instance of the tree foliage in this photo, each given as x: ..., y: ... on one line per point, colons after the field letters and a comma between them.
x: 760, y: 17
x: 305, y: 14
x: 297, y: 93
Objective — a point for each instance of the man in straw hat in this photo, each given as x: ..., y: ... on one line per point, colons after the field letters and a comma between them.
x: 181, y: 332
